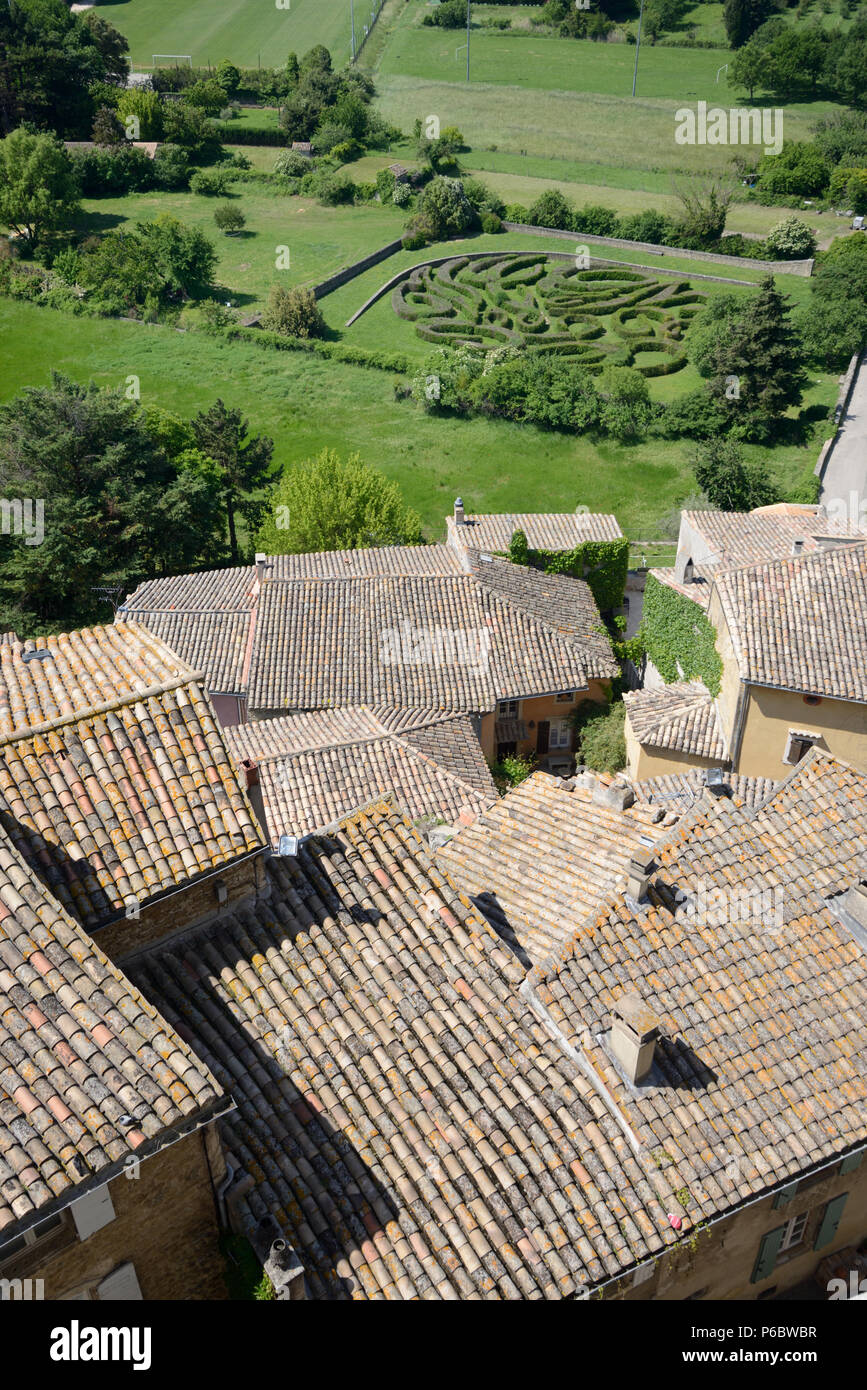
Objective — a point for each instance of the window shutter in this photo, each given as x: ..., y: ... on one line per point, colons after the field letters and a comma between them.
x: 92, y: 1211
x: 784, y: 1196
x: 767, y: 1256
x: 542, y: 736
x: 851, y: 1162
x: 121, y: 1284
x: 830, y: 1221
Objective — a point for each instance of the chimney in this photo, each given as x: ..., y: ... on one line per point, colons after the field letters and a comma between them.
x: 261, y: 566
x: 634, y: 1031
x: 798, y: 547
x: 459, y: 512
x: 254, y: 792
x: 638, y: 873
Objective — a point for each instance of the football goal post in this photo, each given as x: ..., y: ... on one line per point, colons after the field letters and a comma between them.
x: 171, y: 60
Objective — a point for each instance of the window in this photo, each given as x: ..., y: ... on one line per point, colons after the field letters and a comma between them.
x: 36, y: 1233
x: 565, y: 697
x: 560, y: 735
x: 508, y: 709
x: 798, y: 746
x: 793, y: 1231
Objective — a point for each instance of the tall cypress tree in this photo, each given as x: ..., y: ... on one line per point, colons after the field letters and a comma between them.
x: 743, y: 17
x: 758, y: 363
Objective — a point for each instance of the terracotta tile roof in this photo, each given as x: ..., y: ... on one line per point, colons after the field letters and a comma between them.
x: 536, y: 863
x: 682, y: 717
x: 81, y: 670
x: 364, y: 641
x: 679, y: 791
x: 209, y: 591
x: 404, y: 1118
x: 421, y: 1120
x: 313, y: 775
x: 114, y: 784
x: 744, y: 538
x: 567, y: 605
x: 698, y: 590
x: 215, y: 643
x: 317, y: 629
x: 544, y: 530
x: 89, y: 1071
x: 799, y: 623
x: 761, y: 999
x: 379, y: 560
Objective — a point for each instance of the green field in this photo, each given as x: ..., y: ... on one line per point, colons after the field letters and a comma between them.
x: 320, y: 240
x: 250, y: 32
x: 306, y: 404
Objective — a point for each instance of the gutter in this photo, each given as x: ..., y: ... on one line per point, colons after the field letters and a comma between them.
x: 222, y: 1105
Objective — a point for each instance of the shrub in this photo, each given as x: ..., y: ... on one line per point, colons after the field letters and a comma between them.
x: 402, y: 194
x: 211, y: 183
x: 171, y: 166
x: 445, y: 208
x: 229, y: 218
x: 516, y: 212
x: 790, y: 239
x: 596, y: 220
x: 511, y: 770
x: 601, y: 739
x: 800, y: 168
x: 293, y: 311
x: 335, y: 189
x: 291, y: 164
x: 551, y: 209
x: 491, y: 222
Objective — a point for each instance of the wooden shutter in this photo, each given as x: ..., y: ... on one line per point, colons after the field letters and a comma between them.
x: 784, y: 1196
x: 542, y: 736
x: 830, y: 1221
x: 92, y: 1211
x: 121, y: 1284
x: 851, y: 1162
x: 767, y: 1256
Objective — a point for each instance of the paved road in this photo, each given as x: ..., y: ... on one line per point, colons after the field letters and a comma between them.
x: 847, y: 467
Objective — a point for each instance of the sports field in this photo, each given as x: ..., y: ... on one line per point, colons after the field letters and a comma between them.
x: 249, y: 32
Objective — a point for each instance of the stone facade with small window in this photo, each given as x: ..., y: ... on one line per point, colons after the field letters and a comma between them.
x: 770, y: 1245
x: 152, y: 1235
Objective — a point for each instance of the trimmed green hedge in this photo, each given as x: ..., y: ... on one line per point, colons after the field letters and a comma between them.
x: 336, y: 352
x: 675, y: 629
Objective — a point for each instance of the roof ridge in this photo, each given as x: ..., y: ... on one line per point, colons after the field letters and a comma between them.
x: 60, y: 721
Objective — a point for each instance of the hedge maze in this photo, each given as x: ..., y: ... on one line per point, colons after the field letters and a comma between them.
x: 538, y: 304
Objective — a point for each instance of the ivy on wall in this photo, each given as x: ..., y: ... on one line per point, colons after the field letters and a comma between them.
x: 674, y: 629
x: 602, y: 564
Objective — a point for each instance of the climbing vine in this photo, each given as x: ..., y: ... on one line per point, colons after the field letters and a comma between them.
x: 603, y: 564
x: 675, y: 630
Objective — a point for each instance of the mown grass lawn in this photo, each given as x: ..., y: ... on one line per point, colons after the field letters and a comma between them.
x: 306, y: 404
x: 248, y: 32
x: 320, y: 240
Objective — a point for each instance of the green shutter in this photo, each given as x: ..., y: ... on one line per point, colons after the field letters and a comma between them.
x: 851, y: 1162
x: 767, y: 1257
x: 784, y: 1196
x: 830, y: 1221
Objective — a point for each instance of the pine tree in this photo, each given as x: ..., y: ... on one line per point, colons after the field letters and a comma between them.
x: 244, y: 461
x: 758, y: 365
x: 743, y: 17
